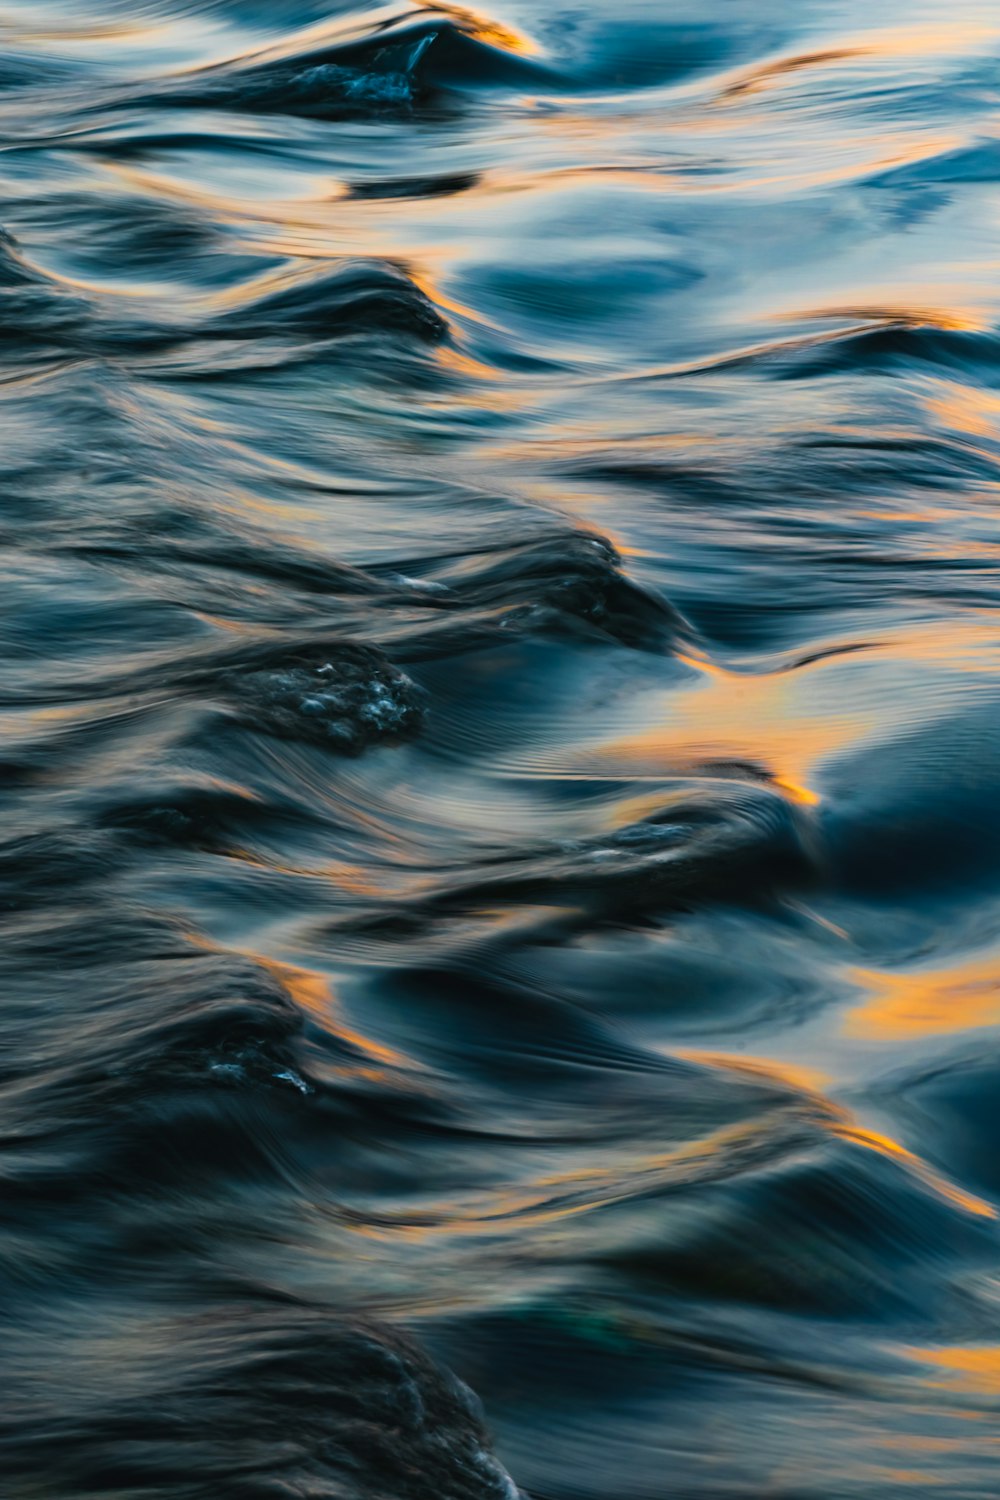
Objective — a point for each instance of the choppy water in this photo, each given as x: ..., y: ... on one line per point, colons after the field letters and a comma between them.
x: 500, y: 761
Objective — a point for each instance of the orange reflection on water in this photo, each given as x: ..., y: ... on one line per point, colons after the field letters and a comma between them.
x: 801, y: 1079
x: 810, y: 1083
x: 966, y: 408
x: 950, y: 38
x: 880, y: 314
x: 869, y: 48
x: 784, y: 724
x: 873, y: 1140
x: 389, y: 20
x: 938, y: 1002
x: 489, y: 29
x: 732, y: 717
x: 758, y: 78
x: 973, y: 1369
x: 872, y: 48
x: 802, y: 794
x: 313, y: 993
x: 573, y: 1192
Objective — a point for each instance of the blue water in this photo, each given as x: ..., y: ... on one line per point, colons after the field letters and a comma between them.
x: 500, y: 751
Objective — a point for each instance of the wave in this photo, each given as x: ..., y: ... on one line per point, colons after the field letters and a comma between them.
x: 401, y: 70
x: 498, y: 716
x: 356, y: 296
x: 292, y: 315
x: 343, y: 1408
x: 719, y: 840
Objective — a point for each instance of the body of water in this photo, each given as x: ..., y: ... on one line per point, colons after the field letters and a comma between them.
x: 500, y: 751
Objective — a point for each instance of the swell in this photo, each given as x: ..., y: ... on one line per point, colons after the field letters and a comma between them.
x: 366, y: 1408
x: 497, y: 694
x: 294, y: 316
x: 407, y: 68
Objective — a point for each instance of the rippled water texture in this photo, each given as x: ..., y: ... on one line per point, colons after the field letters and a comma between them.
x: 500, y: 750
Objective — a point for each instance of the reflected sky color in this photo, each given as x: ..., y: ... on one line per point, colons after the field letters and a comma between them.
x: 500, y: 748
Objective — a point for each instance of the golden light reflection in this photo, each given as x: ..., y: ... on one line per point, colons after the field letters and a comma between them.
x: 801, y: 794
x: 432, y: 290
x: 796, y: 1076
x: 220, y: 622
x: 389, y: 22
x: 952, y: 37
x: 313, y: 993
x: 871, y: 49
x: 810, y: 1084
x: 489, y: 29
x: 747, y: 353
x: 781, y: 726
x: 915, y: 1442
x: 759, y: 78
x: 333, y: 31
x: 568, y: 1194
x: 578, y: 1191
x: 86, y: 32
x: 873, y: 1140
x: 730, y: 717
x: 938, y: 1002
x: 898, y: 315
x: 972, y: 1369
x: 966, y: 408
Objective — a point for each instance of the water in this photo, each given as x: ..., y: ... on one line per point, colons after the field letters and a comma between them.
x: 500, y: 693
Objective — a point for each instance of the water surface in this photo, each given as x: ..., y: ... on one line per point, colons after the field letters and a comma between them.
x: 500, y: 750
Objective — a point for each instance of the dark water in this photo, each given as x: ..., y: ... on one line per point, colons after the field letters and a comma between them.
x: 500, y: 761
